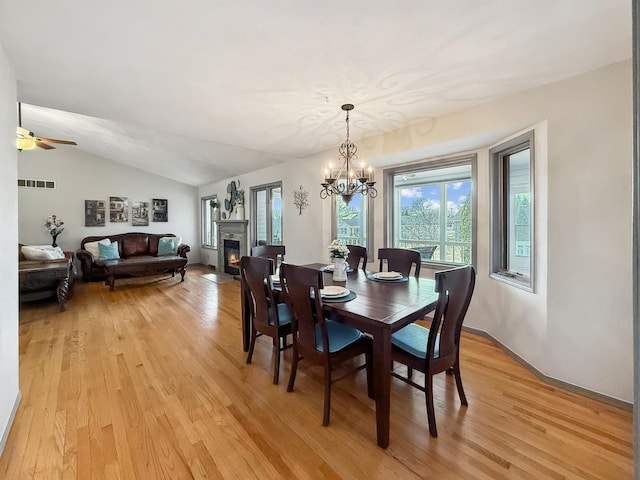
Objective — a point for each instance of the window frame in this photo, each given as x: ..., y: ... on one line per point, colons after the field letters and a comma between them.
x: 459, y: 159
x: 369, y: 219
x: 267, y: 188
x: 499, y: 243
x: 204, y: 205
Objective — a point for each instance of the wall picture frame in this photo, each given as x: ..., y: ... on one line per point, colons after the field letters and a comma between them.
x: 160, y: 210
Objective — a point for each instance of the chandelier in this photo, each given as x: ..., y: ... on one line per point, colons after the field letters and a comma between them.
x: 347, y: 180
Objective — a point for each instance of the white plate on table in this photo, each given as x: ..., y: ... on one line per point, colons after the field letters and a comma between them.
x: 334, y: 291
x: 329, y: 268
x: 275, y: 278
x: 387, y: 275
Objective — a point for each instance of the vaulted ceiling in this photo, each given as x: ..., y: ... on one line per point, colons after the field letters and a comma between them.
x: 202, y: 90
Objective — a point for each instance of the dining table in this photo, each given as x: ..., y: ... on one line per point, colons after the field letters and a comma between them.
x: 380, y: 307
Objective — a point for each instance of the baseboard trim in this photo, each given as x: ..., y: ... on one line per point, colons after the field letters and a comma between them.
x: 550, y: 380
x: 12, y: 417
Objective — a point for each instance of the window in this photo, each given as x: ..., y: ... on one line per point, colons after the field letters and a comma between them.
x: 209, y: 227
x: 266, y: 218
x: 512, y: 211
x: 350, y: 221
x: 431, y: 208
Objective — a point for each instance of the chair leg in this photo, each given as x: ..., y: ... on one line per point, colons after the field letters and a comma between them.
x: 409, y: 372
x: 456, y: 373
x: 294, y: 368
x: 370, y: 390
x: 251, y: 345
x: 327, y: 396
x: 276, y: 352
x: 431, y: 416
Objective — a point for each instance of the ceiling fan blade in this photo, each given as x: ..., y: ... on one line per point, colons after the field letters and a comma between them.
x: 53, y: 140
x: 44, y: 145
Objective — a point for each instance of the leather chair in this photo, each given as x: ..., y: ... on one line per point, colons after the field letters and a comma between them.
x: 319, y: 340
x: 400, y: 260
x: 437, y: 349
x: 267, y: 316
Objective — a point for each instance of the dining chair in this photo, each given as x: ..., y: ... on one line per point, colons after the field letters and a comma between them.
x: 400, y: 260
x: 357, y: 253
x: 319, y: 340
x: 274, y: 252
x: 268, y: 317
x: 437, y: 349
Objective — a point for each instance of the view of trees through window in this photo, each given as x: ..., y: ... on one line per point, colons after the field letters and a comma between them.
x: 433, y: 213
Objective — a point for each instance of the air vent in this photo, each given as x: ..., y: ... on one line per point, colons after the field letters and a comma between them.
x: 36, y: 183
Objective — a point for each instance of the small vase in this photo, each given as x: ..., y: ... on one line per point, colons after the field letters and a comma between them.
x: 216, y: 214
x: 240, y: 212
x: 54, y: 238
x: 339, y: 270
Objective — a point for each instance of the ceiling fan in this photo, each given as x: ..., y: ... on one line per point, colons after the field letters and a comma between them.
x: 26, y: 140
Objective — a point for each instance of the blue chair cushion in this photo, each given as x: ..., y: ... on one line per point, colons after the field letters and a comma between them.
x: 283, y: 314
x: 413, y: 339
x: 340, y: 336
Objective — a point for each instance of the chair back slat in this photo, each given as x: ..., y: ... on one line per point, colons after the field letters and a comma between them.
x: 400, y: 260
x: 256, y: 274
x: 299, y: 283
x: 274, y: 252
x: 357, y: 254
x: 455, y: 288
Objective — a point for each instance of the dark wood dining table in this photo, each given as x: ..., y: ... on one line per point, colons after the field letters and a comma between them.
x: 379, y: 309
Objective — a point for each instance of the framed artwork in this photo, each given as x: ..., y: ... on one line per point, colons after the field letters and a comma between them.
x: 160, y: 210
x: 119, y: 209
x: 94, y: 213
x: 140, y: 214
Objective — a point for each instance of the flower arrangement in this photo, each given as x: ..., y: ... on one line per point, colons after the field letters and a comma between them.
x: 213, y: 203
x: 338, y: 249
x: 54, y: 225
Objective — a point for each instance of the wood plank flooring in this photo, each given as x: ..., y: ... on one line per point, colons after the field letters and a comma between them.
x: 150, y: 382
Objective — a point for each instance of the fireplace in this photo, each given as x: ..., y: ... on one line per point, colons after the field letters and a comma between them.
x: 232, y: 244
x: 231, y: 253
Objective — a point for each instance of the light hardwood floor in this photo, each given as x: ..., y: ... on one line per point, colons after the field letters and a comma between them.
x: 150, y: 382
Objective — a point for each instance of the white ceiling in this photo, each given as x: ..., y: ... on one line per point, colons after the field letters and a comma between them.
x: 203, y: 90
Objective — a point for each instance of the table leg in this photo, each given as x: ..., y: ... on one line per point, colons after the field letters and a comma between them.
x: 382, y: 384
x: 246, y: 318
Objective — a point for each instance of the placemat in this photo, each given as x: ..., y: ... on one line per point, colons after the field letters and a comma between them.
x: 346, y: 298
x: 325, y: 269
x: 395, y: 280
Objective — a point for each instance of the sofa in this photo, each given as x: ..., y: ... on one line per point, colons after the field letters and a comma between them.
x: 49, y: 273
x: 138, y: 255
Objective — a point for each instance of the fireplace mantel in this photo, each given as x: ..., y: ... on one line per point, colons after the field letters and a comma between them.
x: 231, y: 230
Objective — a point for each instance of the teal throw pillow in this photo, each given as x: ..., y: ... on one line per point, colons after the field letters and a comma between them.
x: 108, y: 252
x: 166, y: 247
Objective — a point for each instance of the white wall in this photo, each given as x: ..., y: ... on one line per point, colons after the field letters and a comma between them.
x: 80, y: 176
x: 9, y: 393
x: 577, y: 325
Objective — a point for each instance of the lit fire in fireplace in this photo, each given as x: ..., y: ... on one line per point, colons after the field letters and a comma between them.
x: 233, y: 260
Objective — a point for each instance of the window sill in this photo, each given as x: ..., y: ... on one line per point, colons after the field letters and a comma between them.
x: 513, y: 281
x: 208, y: 247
